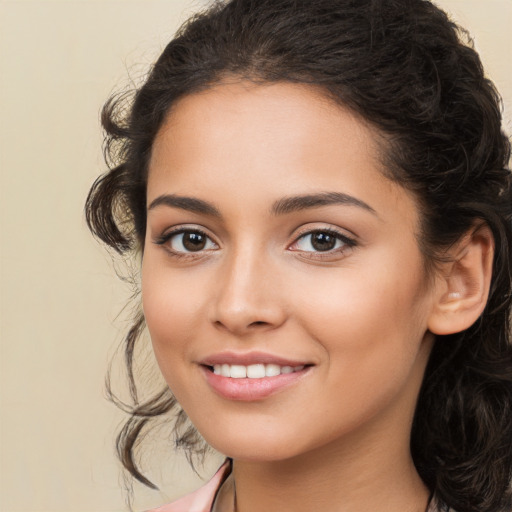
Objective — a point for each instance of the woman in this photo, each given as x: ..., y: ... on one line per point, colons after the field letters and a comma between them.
x: 321, y: 198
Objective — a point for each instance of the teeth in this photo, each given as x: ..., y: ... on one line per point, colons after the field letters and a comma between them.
x: 256, y: 371
x: 238, y: 371
x: 253, y: 371
x: 272, y: 370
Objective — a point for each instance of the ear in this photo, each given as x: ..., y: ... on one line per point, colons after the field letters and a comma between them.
x: 463, y: 284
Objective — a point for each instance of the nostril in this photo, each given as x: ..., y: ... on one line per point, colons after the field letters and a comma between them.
x: 233, y: 326
x: 255, y: 324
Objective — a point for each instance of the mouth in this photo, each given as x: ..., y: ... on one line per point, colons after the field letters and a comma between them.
x: 253, y: 371
x: 252, y: 377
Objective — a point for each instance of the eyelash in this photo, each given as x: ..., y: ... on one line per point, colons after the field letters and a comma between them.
x: 347, y: 243
x: 164, y: 240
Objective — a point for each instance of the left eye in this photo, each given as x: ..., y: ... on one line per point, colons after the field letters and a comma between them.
x: 320, y: 241
x: 190, y: 241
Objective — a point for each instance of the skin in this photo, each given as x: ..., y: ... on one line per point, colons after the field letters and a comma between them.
x: 337, y: 439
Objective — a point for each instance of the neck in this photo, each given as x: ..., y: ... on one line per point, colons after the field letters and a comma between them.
x: 332, y: 482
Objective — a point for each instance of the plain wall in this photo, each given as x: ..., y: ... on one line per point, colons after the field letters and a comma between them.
x: 59, y: 60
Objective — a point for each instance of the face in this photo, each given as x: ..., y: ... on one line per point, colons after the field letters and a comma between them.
x: 283, y: 286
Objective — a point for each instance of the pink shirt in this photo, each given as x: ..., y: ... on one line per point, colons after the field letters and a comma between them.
x: 202, y: 499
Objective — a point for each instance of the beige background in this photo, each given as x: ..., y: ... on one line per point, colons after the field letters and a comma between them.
x: 59, y: 61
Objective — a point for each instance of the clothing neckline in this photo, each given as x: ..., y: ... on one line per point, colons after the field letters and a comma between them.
x: 227, y: 468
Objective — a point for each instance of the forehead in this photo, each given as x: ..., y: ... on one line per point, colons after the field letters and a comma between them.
x: 274, y: 116
x: 266, y: 141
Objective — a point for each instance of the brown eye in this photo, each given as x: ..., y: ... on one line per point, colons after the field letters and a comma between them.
x: 194, y: 241
x: 320, y: 241
x: 188, y: 241
x: 323, y: 241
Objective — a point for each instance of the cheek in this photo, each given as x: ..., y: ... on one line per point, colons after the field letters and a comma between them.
x: 171, y: 305
x: 371, y: 333
x: 367, y: 320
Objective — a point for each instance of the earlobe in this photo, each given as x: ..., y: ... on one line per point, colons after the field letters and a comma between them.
x: 463, y: 284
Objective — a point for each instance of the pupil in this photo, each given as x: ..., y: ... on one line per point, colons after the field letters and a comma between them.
x: 194, y: 241
x: 323, y: 241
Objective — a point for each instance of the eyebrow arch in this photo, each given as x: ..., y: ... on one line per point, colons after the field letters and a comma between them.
x: 303, y: 202
x: 190, y: 204
x: 280, y: 207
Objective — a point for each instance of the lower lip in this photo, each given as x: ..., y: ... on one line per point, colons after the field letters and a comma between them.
x: 248, y: 390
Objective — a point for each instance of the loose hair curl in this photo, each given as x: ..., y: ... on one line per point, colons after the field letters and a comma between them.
x: 408, y: 70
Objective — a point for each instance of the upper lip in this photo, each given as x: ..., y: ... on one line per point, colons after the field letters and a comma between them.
x: 249, y: 358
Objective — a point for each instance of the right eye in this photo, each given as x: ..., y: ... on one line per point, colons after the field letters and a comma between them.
x: 184, y: 241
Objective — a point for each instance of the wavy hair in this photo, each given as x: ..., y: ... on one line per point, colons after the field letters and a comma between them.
x: 408, y: 70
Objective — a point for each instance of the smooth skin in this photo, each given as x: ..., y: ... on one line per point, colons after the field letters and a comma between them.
x: 230, y: 264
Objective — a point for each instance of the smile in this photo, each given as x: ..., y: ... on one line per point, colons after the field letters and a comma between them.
x: 253, y: 371
x: 251, y: 377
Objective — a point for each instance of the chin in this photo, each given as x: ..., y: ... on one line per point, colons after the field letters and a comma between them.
x: 256, y: 447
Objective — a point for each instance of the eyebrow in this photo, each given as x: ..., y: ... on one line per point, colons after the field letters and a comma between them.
x: 190, y: 204
x: 304, y: 202
x: 280, y: 207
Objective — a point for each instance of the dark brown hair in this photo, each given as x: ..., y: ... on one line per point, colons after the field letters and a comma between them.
x: 405, y: 68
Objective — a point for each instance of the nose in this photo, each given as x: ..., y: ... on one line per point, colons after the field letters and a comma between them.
x: 247, y: 297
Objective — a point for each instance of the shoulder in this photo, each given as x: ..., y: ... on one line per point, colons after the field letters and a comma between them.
x: 202, y: 499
